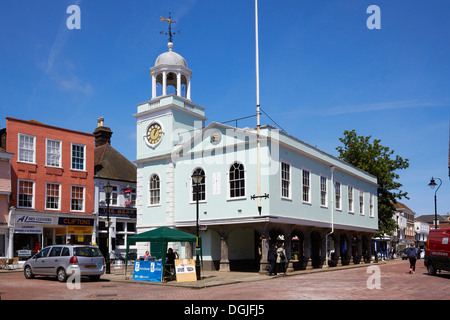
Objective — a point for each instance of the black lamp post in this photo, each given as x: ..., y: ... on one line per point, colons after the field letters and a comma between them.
x: 197, y: 178
x: 433, y: 184
x: 108, y: 189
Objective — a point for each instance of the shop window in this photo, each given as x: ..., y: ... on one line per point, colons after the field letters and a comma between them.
x: 131, y: 227
x: 120, y: 226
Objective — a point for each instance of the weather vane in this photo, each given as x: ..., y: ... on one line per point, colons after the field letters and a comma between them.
x: 170, y: 33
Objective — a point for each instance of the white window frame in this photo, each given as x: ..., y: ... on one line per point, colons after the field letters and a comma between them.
x: 33, y: 193
x: 361, y: 202
x: 351, y: 198
x: 286, y: 180
x: 371, y: 205
x: 84, y: 198
x: 151, y: 191
x: 322, y: 183
x: 59, y: 196
x: 21, y: 150
x: 203, y: 183
x: 114, y: 196
x: 72, y: 157
x: 308, y: 186
x: 338, y: 195
x: 47, y: 158
x: 229, y: 197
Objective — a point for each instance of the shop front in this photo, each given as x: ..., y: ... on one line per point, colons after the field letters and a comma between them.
x: 33, y: 231
x: 122, y: 225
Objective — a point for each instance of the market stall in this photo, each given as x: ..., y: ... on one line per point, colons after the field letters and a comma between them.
x: 161, y: 236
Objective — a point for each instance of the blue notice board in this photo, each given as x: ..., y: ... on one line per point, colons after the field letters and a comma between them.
x: 148, y: 271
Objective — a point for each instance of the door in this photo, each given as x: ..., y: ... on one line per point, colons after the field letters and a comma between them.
x: 40, y: 261
x: 53, y: 260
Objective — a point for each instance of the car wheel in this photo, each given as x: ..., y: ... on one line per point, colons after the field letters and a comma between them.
x: 62, y: 275
x: 28, y: 273
x: 431, y: 270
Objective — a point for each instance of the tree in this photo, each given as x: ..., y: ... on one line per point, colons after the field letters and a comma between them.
x: 380, y: 162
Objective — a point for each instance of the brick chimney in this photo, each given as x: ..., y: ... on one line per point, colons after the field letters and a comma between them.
x: 102, y: 134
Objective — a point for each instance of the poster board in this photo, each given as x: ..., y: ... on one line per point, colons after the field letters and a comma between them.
x: 185, y: 270
x: 147, y: 271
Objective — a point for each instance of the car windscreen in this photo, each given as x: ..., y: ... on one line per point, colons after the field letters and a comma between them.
x: 87, y: 252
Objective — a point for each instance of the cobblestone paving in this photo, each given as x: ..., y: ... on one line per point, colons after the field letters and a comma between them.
x: 393, y: 278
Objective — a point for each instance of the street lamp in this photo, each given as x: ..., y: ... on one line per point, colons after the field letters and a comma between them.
x: 433, y: 184
x: 197, y: 178
x: 108, y: 189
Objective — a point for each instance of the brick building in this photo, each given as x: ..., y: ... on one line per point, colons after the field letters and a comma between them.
x: 52, y: 185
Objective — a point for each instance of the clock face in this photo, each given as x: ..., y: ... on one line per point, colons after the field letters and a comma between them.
x: 154, y: 134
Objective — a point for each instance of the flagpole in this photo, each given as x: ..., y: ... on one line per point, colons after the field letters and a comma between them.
x: 258, y: 125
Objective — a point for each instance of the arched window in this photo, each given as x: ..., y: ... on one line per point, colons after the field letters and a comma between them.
x: 201, y: 186
x: 237, y: 180
x: 154, y: 188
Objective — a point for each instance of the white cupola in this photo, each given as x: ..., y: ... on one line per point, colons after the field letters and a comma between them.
x: 171, y: 70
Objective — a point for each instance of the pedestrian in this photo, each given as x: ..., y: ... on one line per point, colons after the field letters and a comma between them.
x: 280, y: 265
x: 272, y: 258
x: 412, y: 253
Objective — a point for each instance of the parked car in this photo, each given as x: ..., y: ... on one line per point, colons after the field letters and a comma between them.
x: 437, y: 251
x: 62, y: 260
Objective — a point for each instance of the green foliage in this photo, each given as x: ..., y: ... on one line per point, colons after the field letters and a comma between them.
x: 380, y: 162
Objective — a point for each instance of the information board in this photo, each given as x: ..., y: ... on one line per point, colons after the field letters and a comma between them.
x: 148, y: 271
x: 185, y: 270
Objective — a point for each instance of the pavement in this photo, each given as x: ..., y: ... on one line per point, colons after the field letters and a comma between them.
x: 218, y: 278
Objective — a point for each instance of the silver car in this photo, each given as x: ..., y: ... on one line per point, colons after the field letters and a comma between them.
x: 62, y: 260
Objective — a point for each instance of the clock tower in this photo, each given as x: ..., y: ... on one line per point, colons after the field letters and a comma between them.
x: 162, y: 123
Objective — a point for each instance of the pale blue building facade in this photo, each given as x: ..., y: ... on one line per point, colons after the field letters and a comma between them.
x: 322, y: 209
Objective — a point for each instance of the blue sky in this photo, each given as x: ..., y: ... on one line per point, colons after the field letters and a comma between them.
x: 322, y: 71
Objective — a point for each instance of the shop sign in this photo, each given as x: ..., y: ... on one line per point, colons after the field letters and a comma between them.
x: 148, y: 271
x: 185, y: 270
x: 118, y: 212
x: 34, y: 219
x: 86, y: 230
x: 28, y: 229
x: 24, y: 253
x: 75, y: 222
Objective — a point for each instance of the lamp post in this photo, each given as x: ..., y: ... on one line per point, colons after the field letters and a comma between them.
x: 108, y: 189
x: 433, y: 184
x: 197, y: 178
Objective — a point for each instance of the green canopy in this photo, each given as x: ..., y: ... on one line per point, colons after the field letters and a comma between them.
x: 161, y: 235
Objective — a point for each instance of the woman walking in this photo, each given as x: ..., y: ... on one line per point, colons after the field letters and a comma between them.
x: 281, y: 260
x: 412, y: 253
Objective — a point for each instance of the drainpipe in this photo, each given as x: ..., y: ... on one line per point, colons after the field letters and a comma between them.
x: 332, y: 214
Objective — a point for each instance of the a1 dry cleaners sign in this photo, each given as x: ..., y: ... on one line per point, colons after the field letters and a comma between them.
x: 32, y: 224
